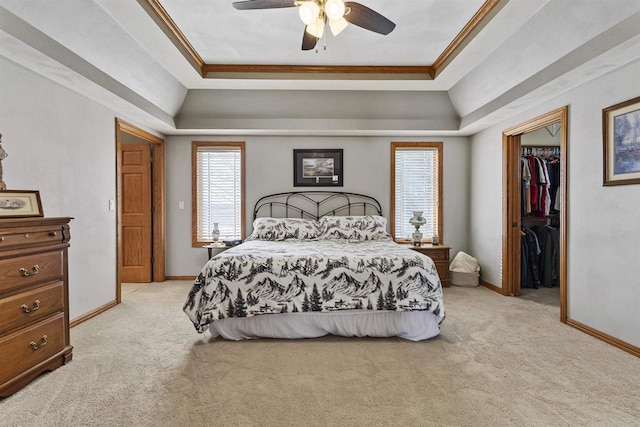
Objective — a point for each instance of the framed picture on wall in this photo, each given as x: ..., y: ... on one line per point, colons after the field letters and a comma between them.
x: 20, y: 203
x: 317, y: 168
x: 621, y: 133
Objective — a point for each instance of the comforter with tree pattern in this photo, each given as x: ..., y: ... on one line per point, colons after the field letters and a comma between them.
x: 266, y: 277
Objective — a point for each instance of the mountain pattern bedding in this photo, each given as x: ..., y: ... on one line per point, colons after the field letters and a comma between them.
x: 267, y: 277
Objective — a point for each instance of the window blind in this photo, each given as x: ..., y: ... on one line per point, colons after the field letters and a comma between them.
x: 416, y: 189
x: 219, y: 192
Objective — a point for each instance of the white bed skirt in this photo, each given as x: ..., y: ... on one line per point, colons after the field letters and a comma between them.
x: 411, y: 325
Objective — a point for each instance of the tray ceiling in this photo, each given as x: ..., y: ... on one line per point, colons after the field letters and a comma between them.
x: 502, y: 57
x: 221, y: 41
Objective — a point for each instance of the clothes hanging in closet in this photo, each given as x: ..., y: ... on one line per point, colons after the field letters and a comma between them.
x: 540, y: 182
x: 540, y: 257
x: 529, y: 255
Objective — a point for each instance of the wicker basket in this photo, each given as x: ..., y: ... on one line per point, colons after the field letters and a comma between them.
x: 464, y: 279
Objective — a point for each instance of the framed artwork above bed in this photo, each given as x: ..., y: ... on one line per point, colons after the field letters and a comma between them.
x: 317, y: 168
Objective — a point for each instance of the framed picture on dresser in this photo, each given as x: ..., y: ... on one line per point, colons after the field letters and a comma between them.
x: 20, y: 203
x: 621, y: 134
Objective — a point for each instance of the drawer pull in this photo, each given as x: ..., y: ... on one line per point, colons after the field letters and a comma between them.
x: 26, y: 309
x: 34, y: 270
x: 53, y: 234
x: 35, y: 346
x: 26, y: 235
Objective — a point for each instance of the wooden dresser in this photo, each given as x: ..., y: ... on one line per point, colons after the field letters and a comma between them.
x: 440, y: 256
x: 34, y: 299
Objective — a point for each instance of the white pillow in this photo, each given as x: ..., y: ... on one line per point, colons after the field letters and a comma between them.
x: 357, y: 228
x: 280, y: 229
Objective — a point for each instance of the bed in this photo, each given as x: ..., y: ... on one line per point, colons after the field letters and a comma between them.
x: 317, y: 263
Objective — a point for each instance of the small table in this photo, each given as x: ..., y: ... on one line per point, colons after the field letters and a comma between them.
x: 440, y: 256
x: 214, y: 250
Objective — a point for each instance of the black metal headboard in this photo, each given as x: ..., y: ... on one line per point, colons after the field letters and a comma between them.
x: 315, y: 204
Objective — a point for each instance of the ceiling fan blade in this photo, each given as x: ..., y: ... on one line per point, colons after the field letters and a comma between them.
x: 367, y: 18
x: 308, y: 41
x: 263, y: 4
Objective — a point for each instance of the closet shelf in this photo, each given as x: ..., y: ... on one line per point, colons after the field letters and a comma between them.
x: 534, y: 218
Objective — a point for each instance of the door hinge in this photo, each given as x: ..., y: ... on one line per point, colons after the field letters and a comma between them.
x: 153, y: 209
x: 153, y: 260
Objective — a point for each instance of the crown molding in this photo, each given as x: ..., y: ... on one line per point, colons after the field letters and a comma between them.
x: 273, y: 71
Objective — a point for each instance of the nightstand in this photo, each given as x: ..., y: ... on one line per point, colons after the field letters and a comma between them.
x: 214, y: 250
x: 440, y: 256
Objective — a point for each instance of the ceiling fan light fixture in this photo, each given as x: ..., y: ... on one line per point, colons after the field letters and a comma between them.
x: 316, y: 28
x: 334, y: 9
x: 337, y: 25
x: 316, y: 14
x: 309, y: 12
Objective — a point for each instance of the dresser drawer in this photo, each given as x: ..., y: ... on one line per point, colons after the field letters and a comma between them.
x: 32, y: 236
x: 25, y: 307
x: 437, y: 254
x: 26, y: 348
x: 30, y: 270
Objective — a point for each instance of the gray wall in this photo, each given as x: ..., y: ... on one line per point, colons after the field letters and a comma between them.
x: 63, y: 145
x: 603, y: 230
x: 269, y: 165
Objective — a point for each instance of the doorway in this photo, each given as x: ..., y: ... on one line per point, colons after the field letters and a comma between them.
x: 140, y: 206
x: 512, y: 202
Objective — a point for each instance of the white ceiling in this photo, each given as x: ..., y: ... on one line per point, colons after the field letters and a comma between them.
x: 223, y: 35
x: 113, y: 52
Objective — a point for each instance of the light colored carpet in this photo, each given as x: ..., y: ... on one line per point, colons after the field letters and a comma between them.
x: 127, y: 288
x: 498, y: 362
x: 542, y: 295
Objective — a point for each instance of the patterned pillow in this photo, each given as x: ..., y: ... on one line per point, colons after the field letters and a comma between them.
x: 359, y: 228
x: 279, y: 229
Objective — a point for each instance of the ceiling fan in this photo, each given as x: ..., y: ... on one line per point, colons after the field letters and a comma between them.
x: 317, y: 13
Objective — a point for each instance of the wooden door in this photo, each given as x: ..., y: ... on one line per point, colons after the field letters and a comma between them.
x: 511, y: 227
x: 136, y: 213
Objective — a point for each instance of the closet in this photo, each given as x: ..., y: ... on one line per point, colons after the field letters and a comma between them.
x: 546, y: 131
x: 540, y: 209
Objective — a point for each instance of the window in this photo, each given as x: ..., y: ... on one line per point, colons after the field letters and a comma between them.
x: 416, y: 185
x: 218, y: 190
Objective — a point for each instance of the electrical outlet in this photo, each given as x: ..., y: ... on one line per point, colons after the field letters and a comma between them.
x: 112, y: 205
x: 180, y: 204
